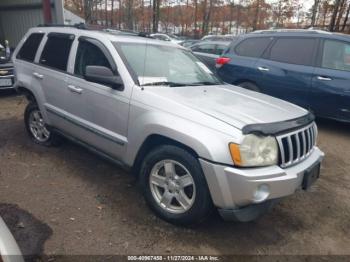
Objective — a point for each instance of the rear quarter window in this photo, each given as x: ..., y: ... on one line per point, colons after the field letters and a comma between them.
x: 252, y: 47
x: 30, y: 47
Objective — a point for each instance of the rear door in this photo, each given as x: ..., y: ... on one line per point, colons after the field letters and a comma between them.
x: 330, y: 93
x: 25, y: 58
x: 51, y: 74
x: 287, y: 69
x: 244, y: 56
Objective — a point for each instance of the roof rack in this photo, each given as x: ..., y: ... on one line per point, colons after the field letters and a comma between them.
x: 311, y: 31
x: 77, y: 26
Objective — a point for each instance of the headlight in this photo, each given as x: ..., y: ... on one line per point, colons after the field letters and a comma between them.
x: 255, y: 151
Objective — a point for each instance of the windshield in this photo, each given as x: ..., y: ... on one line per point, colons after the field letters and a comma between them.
x: 165, y: 65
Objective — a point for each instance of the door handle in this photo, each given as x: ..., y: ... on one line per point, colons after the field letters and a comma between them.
x: 261, y: 68
x: 323, y: 78
x: 37, y: 75
x: 75, y: 89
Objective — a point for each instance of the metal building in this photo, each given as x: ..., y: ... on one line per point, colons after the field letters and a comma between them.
x: 17, y: 16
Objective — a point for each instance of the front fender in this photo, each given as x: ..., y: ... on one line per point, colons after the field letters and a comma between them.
x: 207, y: 142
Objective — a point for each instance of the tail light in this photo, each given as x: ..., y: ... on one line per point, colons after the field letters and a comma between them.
x: 221, y: 61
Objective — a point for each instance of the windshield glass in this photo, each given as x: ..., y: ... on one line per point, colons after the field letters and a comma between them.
x: 165, y: 65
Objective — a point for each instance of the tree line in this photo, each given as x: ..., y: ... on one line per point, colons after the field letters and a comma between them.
x: 200, y: 17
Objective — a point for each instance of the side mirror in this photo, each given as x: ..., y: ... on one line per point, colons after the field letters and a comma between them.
x: 103, y: 75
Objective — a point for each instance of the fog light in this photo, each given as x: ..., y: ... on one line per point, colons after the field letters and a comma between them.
x: 261, y: 193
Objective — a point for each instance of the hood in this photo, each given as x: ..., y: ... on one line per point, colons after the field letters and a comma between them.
x: 232, y: 104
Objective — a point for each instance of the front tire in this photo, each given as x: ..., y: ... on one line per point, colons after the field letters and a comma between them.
x: 38, y: 131
x: 174, y: 186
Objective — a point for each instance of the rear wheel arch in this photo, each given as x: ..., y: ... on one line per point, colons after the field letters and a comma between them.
x: 27, y: 93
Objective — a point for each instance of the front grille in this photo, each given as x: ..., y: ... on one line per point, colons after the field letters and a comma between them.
x: 297, y: 145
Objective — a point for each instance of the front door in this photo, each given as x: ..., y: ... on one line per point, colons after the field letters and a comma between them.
x: 98, y: 112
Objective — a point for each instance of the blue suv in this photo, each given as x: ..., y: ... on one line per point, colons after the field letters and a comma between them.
x: 309, y: 68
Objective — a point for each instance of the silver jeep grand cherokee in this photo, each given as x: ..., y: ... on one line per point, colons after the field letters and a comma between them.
x: 154, y: 108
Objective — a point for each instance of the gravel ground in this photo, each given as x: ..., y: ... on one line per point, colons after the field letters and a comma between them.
x: 94, y: 207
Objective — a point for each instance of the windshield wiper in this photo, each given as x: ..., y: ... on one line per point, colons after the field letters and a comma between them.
x: 164, y: 83
x: 204, y: 83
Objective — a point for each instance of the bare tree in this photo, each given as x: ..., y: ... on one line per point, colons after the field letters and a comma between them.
x: 342, y: 7
x: 314, y: 12
x: 106, y: 13
x: 346, y: 18
x: 256, y: 15
x: 129, y: 14
x: 156, y: 13
x: 112, y: 14
x: 334, y: 15
x: 206, y: 16
x: 232, y: 5
x: 195, y: 18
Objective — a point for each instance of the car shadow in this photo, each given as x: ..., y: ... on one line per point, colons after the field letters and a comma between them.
x: 8, y: 93
x: 333, y: 126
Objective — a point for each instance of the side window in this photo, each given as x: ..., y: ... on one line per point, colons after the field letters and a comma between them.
x: 336, y: 55
x: 253, y: 47
x: 293, y: 51
x: 205, y: 48
x: 164, y: 38
x: 220, y: 49
x: 56, y: 51
x: 89, y: 54
x: 30, y: 46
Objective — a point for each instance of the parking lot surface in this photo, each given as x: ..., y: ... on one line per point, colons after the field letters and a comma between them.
x: 94, y: 207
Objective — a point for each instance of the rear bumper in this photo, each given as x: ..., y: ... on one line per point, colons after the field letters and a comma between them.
x: 234, y: 188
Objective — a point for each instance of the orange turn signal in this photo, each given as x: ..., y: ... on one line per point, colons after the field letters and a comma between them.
x: 235, y: 154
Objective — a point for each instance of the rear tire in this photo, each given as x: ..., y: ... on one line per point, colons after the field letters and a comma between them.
x: 249, y: 86
x: 37, y: 130
x: 174, y: 186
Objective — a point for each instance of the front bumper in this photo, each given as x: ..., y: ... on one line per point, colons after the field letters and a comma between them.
x: 232, y: 188
x: 7, y: 76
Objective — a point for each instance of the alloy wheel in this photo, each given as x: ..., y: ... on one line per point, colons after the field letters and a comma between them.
x: 172, y: 186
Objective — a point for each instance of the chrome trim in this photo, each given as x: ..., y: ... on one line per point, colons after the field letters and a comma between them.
x: 7, y: 76
x: 308, y: 134
x: 298, y: 146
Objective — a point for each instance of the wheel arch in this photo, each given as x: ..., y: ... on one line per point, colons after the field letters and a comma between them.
x: 240, y: 81
x: 27, y: 93
x: 153, y: 141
